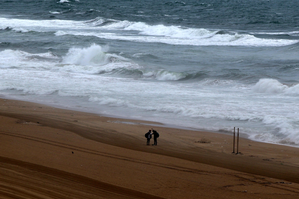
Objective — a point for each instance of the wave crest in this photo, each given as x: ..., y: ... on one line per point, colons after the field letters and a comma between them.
x: 166, y: 75
x: 274, y: 86
x: 143, y: 32
x: 178, y: 35
x: 94, y: 54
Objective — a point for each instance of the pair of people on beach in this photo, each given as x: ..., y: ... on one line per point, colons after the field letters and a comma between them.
x: 149, y: 135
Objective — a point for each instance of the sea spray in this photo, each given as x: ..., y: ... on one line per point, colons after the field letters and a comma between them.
x: 274, y: 86
x: 86, y: 56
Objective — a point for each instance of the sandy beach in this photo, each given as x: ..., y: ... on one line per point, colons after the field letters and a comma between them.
x: 47, y: 152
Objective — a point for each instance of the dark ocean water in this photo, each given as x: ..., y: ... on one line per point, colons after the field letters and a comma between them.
x: 210, y: 65
x: 236, y: 14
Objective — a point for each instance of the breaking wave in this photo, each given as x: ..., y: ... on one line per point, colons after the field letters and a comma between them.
x: 274, y: 86
x: 142, y: 32
x: 184, y: 36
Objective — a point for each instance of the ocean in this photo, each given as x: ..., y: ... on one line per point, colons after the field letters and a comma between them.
x: 194, y: 64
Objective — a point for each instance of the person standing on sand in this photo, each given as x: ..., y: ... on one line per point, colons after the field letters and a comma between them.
x: 148, y: 137
x: 156, y: 135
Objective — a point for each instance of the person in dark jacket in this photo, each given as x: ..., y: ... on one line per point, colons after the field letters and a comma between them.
x: 148, y: 137
x: 156, y: 135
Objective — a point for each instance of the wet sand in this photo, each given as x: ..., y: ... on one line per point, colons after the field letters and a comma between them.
x: 47, y: 152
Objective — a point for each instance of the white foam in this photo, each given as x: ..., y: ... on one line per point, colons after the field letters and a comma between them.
x: 171, y: 31
x: 174, y: 35
x: 167, y: 75
x: 191, y: 36
x: 112, y: 102
x: 86, y: 56
x: 286, y: 130
x: 292, y: 33
x: 94, y: 59
x: 63, y: 1
x: 54, y: 12
x: 24, y: 60
x: 207, y: 40
x: 269, y: 86
x: 40, y: 25
x: 90, y: 60
x: 274, y: 86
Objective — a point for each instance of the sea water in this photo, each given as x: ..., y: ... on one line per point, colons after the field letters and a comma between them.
x: 210, y: 65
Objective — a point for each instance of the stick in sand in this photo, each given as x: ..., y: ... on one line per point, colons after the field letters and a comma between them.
x: 238, y: 142
x: 234, y: 139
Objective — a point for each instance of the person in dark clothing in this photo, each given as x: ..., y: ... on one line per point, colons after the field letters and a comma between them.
x: 156, y: 135
x: 148, y: 137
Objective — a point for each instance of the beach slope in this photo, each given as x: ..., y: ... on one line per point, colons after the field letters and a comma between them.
x: 47, y: 152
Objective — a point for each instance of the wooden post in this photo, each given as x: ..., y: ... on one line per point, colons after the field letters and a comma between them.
x: 238, y: 142
x: 234, y: 137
